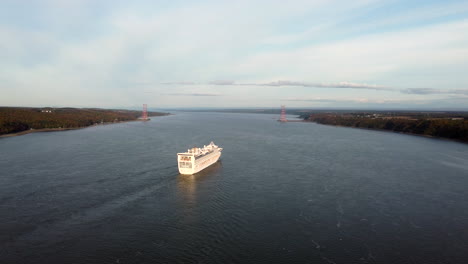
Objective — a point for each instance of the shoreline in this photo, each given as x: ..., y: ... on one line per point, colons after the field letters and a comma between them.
x: 391, y: 131
x: 40, y: 130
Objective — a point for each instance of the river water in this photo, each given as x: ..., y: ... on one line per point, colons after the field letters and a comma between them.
x: 282, y: 193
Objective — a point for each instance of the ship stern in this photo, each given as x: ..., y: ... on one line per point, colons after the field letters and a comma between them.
x: 185, y: 163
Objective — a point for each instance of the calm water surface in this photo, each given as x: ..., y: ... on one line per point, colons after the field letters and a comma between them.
x: 283, y: 193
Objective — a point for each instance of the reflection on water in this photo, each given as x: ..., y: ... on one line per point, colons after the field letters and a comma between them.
x: 189, y: 200
x: 187, y: 184
x: 211, y: 170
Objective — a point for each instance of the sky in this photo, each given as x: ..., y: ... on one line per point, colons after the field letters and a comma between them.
x: 367, y: 54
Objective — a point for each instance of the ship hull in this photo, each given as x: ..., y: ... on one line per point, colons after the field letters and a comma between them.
x: 193, y: 166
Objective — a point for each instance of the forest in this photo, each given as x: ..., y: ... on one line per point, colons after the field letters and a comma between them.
x: 451, y: 125
x: 18, y: 119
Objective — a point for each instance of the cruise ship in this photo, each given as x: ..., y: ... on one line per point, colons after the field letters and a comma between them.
x: 197, y: 159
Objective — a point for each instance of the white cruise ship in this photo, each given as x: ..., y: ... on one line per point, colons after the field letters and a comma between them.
x: 197, y: 159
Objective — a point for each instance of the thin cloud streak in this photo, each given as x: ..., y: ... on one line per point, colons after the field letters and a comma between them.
x: 191, y: 94
x: 181, y: 83
x: 361, y: 101
x: 222, y: 82
x: 339, y: 85
x: 327, y: 85
x: 318, y: 100
x: 424, y: 91
x: 282, y: 83
x: 330, y: 100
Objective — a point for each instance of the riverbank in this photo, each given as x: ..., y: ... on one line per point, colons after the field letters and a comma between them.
x: 17, y: 121
x: 61, y: 129
x: 390, y: 131
x: 38, y: 130
x: 378, y: 129
x: 437, y: 125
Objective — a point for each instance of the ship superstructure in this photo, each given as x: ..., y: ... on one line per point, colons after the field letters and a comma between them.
x: 197, y: 159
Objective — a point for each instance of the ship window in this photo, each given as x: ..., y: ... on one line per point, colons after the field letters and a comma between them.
x: 184, y: 158
x: 185, y: 164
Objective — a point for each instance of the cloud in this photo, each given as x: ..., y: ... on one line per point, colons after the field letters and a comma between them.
x: 192, y: 94
x: 424, y: 91
x: 180, y: 83
x: 281, y: 83
x: 443, y: 103
x: 419, y: 91
x: 222, y: 83
x: 333, y: 100
x: 318, y: 100
x: 80, y: 51
x: 338, y: 85
x: 401, y: 58
x: 326, y: 85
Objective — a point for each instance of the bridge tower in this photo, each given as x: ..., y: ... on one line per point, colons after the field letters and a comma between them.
x: 283, y: 114
x: 145, y: 112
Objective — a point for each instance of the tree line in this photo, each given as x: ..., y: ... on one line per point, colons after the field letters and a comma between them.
x: 444, y: 127
x: 17, y: 119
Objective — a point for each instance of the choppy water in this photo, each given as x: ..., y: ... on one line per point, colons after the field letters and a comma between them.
x: 283, y: 193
